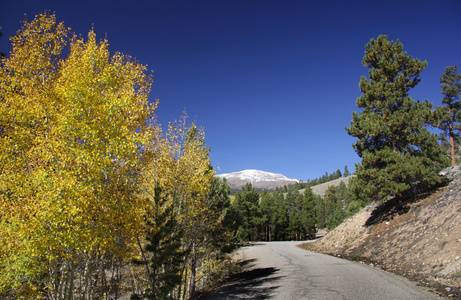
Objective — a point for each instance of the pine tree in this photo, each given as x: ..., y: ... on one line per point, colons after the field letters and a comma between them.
x: 449, y: 115
x: 219, y: 205
x: 334, y: 206
x: 346, y: 171
x: 293, y: 200
x: 267, y: 209
x: 276, y: 210
x: 161, y: 255
x: 396, y: 149
x: 248, y: 213
x: 308, y: 214
x: 281, y: 218
x: 338, y: 174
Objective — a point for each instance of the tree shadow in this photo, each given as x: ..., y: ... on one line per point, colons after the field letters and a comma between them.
x: 246, y: 263
x: 385, y: 212
x: 250, y: 244
x: 393, y: 207
x: 247, y: 284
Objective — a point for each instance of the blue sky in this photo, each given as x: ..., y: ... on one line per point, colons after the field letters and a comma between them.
x: 273, y: 83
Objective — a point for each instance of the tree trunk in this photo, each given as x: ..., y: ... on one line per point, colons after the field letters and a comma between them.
x: 182, y: 293
x: 452, y: 144
x: 70, y: 290
x: 192, y: 269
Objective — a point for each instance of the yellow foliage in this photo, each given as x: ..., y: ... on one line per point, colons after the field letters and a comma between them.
x: 80, y: 157
x: 180, y: 165
x: 71, y: 132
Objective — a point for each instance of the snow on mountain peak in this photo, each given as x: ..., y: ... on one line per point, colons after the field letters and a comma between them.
x: 257, y: 178
x: 256, y: 175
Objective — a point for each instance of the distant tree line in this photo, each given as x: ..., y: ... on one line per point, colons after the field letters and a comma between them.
x: 272, y: 216
x: 303, y: 184
x: 291, y: 212
x: 322, y: 179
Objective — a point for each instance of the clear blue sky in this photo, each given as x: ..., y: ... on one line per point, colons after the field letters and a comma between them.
x: 273, y: 83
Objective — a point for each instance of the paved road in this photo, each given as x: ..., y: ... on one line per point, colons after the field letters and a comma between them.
x: 280, y: 270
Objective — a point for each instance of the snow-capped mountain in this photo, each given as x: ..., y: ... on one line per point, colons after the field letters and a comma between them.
x: 259, y: 179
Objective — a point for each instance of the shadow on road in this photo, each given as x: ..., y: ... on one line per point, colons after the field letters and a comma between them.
x: 251, y: 245
x: 256, y: 283
x: 246, y: 264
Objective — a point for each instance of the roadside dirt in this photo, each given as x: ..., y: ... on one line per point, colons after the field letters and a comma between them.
x: 421, y: 240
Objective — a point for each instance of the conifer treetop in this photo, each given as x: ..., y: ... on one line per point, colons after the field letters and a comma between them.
x: 396, y: 148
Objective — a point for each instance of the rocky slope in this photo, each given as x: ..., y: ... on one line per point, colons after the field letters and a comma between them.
x: 421, y: 240
x: 320, y: 189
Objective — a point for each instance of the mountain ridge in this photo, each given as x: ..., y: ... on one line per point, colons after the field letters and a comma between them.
x: 259, y: 179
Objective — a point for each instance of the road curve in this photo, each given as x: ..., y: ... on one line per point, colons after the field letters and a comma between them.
x: 281, y: 270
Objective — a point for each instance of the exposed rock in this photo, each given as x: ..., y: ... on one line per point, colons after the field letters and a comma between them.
x: 320, y: 189
x: 452, y: 173
x: 421, y: 240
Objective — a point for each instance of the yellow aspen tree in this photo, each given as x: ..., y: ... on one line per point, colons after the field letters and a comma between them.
x: 105, y: 124
x: 27, y: 115
x: 72, y: 130
x: 181, y: 166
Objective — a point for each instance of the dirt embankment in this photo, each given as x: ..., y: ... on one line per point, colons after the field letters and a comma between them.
x: 421, y: 241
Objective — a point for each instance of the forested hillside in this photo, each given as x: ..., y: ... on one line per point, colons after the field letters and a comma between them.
x: 293, y: 212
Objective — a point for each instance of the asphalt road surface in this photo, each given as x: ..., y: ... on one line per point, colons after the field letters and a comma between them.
x: 281, y: 270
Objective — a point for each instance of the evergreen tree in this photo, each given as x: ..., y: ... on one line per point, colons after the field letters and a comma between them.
x: 346, y: 171
x: 293, y: 201
x: 220, y: 235
x: 161, y: 255
x: 267, y: 209
x: 302, y: 217
x: 449, y: 117
x: 308, y: 214
x: 338, y: 174
x: 334, y: 206
x: 281, y: 218
x: 320, y: 212
x: 248, y: 213
x: 396, y: 149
